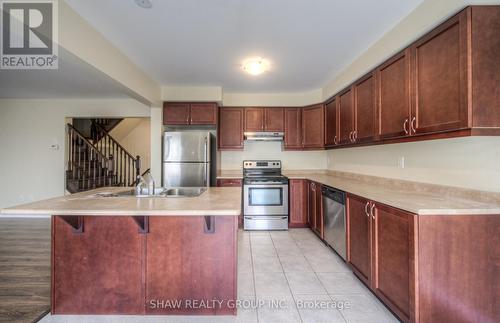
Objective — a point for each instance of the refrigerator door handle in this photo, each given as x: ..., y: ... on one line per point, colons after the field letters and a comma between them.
x: 167, y: 148
x: 206, y: 163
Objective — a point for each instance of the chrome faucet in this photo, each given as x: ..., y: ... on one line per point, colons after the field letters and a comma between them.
x: 145, y: 181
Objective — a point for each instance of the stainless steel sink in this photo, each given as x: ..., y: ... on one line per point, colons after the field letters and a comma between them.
x: 159, y: 192
x: 185, y: 191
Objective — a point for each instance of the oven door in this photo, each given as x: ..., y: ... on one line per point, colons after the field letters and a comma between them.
x: 265, y: 199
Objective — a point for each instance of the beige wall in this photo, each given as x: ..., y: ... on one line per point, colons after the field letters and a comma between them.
x: 472, y: 162
x: 29, y: 169
x: 231, y: 160
x: 134, y: 134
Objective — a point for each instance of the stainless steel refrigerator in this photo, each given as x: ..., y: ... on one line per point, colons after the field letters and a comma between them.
x: 187, y: 159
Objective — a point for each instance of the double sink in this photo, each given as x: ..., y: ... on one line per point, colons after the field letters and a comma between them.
x: 159, y: 192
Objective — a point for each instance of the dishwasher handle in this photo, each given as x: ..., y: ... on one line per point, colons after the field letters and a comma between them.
x: 334, y: 194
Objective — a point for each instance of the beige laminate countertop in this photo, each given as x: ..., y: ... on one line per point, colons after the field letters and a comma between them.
x: 418, y: 198
x: 215, y: 201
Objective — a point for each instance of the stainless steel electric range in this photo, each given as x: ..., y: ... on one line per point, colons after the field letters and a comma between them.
x: 265, y: 195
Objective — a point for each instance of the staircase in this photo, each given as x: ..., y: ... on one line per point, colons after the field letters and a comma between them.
x: 98, y: 160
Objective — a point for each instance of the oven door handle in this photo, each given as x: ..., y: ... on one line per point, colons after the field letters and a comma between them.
x: 263, y: 217
x: 267, y: 185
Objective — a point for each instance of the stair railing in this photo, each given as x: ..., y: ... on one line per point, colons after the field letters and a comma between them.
x: 124, y: 165
x: 80, y: 165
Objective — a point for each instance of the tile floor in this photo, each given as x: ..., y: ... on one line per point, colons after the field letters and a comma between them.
x: 296, y: 278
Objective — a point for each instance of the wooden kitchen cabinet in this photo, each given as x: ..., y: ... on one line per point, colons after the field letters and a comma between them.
x: 230, y: 130
x: 203, y: 113
x: 393, y: 96
x: 346, y: 116
x: 331, y: 123
x: 393, y: 258
x: 440, y: 67
x: 315, y: 209
x: 200, y: 264
x: 176, y: 113
x: 229, y: 182
x: 364, y: 109
x: 293, y: 128
x: 359, y: 242
x: 254, y: 119
x: 298, y: 203
x: 313, y: 134
x: 88, y: 264
x: 274, y: 119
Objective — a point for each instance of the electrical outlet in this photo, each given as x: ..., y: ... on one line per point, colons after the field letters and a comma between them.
x: 401, y: 162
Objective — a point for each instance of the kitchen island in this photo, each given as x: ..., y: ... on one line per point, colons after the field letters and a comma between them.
x: 154, y: 255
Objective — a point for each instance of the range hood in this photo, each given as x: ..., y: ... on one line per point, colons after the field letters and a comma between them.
x: 264, y: 136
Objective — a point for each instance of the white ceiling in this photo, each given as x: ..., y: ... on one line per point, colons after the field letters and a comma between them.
x: 73, y: 79
x: 202, y: 42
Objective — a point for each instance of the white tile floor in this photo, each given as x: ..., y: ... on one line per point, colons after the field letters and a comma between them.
x: 291, y: 269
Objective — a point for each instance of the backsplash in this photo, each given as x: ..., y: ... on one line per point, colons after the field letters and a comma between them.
x: 273, y: 150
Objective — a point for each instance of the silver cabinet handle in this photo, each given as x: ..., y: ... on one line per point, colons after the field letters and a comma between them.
x: 354, y: 135
x: 350, y: 136
x: 371, y: 211
x: 413, y: 124
x: 335, y: 140
x: 405, y: 126
x: 366, y: 209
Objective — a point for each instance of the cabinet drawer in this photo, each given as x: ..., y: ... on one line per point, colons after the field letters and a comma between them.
x: 223, y: 182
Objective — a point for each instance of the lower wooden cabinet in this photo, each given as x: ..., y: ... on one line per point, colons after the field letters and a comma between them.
x: 359, y: 242
x: 315, y: 210
x: 200, y: 265
x: 381, y: 252
x: 298, y: 203
x: 229, y: 182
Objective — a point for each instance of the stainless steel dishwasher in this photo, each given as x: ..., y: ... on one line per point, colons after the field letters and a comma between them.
x: 334, y: 219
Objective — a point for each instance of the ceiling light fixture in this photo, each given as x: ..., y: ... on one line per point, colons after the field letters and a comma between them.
x: 146, y: 4
x: 256, y: 66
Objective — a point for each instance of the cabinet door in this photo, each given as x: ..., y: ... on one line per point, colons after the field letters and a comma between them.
x: 313, y: 127
x: 441, y: 69
x: 393, y: 96
x: 254, y: 119
x: 175, y: 113
x: 346, y: 117
x: 298, y: 203
x: 203, y: 113
x: 358, y: 237
x: 274, y: 119
x: 184, y: 262
x: 226, y: 182
x: 230, y: 128
x: 394, y: 258
x: 293, y: 129
x: 311, y: 205
x: 365, y: 109
x: 105, y: 260
x: 331, y: 135
x: 319, y: 211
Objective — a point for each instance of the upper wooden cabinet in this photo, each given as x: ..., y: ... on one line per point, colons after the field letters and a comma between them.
x: 293, y: 128
x: 175, y: 113
x: 254, y: 119
x: 331, y: 123
x: 365, y: 112
x: 346, y: 116
x: 393, y: 96
x: 203, y: 113
x: 230, y: 130
x: 440, y: 82
x: 274, y: 119
x: 264, y: 119
x: 313, y: 127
